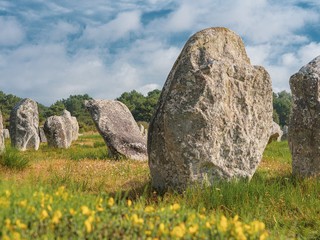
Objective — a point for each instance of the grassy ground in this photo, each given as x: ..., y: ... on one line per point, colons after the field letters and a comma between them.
x: 289, y: 207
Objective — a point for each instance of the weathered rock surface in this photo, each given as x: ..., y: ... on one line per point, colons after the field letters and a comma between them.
x: 304, y: 127
x: 6, y: 133
x: 214, y: 115
x: 42, y: 135
x: 276, y: 133
x: 24, y: 124
x: 1, y: 135
x: 59, y: 130
x: 118, y: 128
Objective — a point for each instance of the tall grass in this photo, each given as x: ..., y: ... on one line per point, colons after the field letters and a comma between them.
x: 13, y: 159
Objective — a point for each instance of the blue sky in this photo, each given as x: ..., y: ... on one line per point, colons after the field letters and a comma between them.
x: 50, y: 49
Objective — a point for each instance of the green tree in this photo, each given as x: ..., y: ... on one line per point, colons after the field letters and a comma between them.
x: 282, y: 104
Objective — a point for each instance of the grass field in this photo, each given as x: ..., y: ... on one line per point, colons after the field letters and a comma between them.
x: 79, y: 194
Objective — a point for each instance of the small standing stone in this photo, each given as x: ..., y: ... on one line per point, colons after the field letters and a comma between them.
x: 118, y: 128
x: 42, y: 135
x: 276, y: 133
x: 2, y: 146
x: 24, y: 125
x: 304, y: 126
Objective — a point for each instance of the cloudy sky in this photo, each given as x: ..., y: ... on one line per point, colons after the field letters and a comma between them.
x: 50, y: 49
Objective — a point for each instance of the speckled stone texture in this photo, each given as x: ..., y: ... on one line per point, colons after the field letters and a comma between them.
x: 118, y: 128
x: 1, y: 135
x: 214, y: 115
x: 24, y: 124
x: 304, y: 127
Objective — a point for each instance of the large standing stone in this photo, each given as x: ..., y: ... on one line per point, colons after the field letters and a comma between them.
x: 75, y: 128
x: 118, y: 128
x: 214, y: 115
x: 304, y: 127
x: 24, y: 124
x: 59, y: 130
x: 276, y: 133
x: 1, y: 135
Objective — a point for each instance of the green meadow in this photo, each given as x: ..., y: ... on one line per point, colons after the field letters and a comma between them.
x: 79, y: 193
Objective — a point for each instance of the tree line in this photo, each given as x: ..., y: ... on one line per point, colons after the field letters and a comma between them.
x: 142, y: 107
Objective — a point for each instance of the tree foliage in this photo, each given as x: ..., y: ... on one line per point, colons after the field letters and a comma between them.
x: 141, y: 107
x: 282, y: 105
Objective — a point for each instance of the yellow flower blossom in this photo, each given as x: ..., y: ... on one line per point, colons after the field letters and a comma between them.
x: 20, y: 225
x: 193, y: 229
x: 149, y: 209
x: 49, y: 208
x: 56, y: 217
x: 7, y: 223
x: 147, y: 232
x: 161, y: 228
x: 16, y: 236
x: 208, y: 225
x: 175, y: 207
x: 223, y: 224
x: 136, y: 220
x: 72, y: 212
x: 110, y: 202
x: 88, y: 224
x: 178, y: 231
x: 7, y: 193
x: 43, y: 215
x: 85, y: 210
x: 129, y: 203
x: 264, y: 235
x: 23, y: 203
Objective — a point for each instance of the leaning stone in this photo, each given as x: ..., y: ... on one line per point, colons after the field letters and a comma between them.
x: 2, y: 146
x: 304, y: 126
x: 118, y: 128
x: 276, y: 133
x: 24, y: 124
x: 214, y: 114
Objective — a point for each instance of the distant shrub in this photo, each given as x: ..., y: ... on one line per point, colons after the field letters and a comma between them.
x: 11, y: 158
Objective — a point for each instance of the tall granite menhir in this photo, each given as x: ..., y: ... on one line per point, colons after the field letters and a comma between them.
x: 304, y: 126
x: 214, y: 114
x: 24, y: 124
x: 118, y: 128
x: 1, y: 134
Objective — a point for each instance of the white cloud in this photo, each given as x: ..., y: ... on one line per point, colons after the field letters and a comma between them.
x: 11, y: 32
x: 120, y: 27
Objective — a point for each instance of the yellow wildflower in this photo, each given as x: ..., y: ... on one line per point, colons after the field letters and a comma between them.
x: 85, y: 210
x: 208, y: 225
x: 7, y: 223
x: 129, y: 203
x: 110, y: 202
x: 20, y: 225
x: 193, y: 229
x: 43, y: 215
x: 56, y: 217
x: 88, y: 224
x: 23, y: 203
x: 7, y: 193
x: 16, y: 236
x: 161, y: 228
x: 5, y: 237
x: 72, y: 212
x: 149, y: 209
x: 147, y: 232
x: 31, y: 209
x: 175, y: 207
x: 264, y: 235
x: 178, y: 231
x: 223, y: 224
x: 136, y: 220
x: 49, y: 208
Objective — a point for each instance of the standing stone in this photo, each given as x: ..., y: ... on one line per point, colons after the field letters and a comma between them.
x: 6, y: 133
x: 75, y: 128
x: 285, y: 133
x: 118, y: 128
x: 42, y: 135
x: 304, y: 126
x: 1, y: 135
x: 24, y: 124
x: 214, y: 114
x: 59, y: 131
x: 276, y: 133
